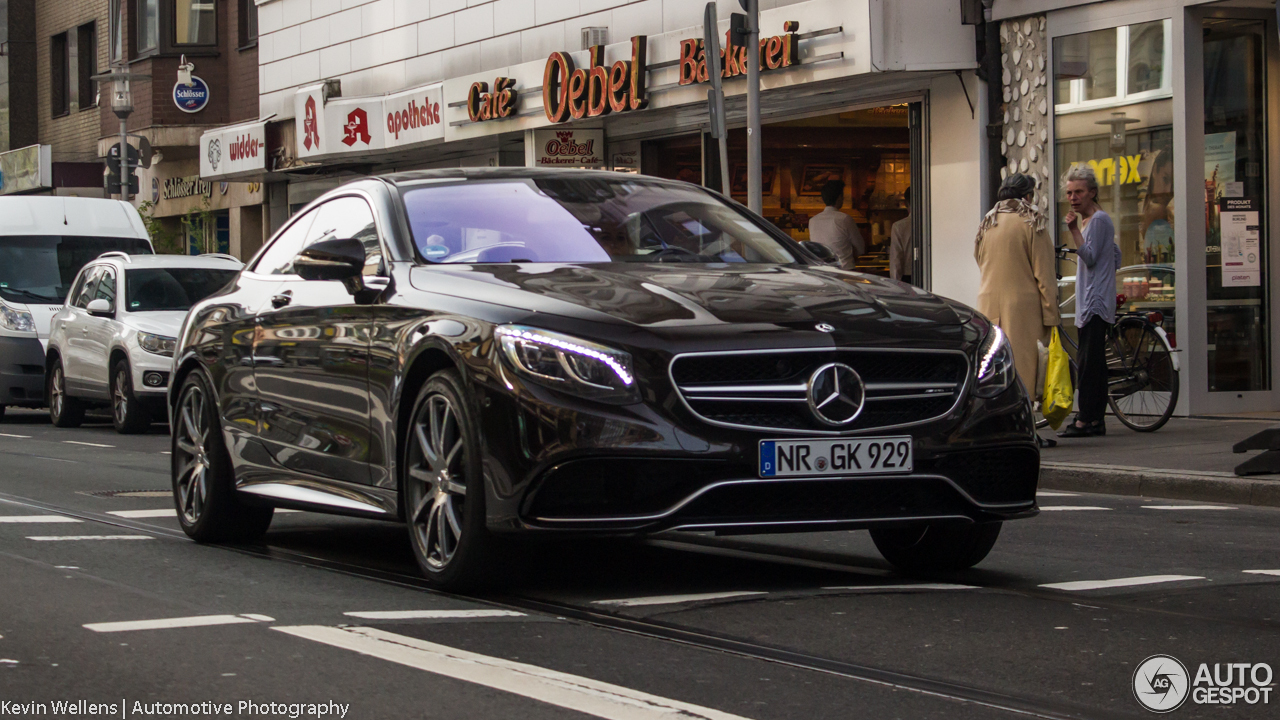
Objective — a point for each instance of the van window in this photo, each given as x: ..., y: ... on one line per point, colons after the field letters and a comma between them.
x: 41, y: 268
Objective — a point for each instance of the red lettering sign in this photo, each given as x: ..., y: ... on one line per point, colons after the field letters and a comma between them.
x: 243, y: 148
x: 310, y: 129
x: 357, y: 128
x: 484, y: 105
x: 575, y: 93
x: 413, y: 117
x: 776, y: 52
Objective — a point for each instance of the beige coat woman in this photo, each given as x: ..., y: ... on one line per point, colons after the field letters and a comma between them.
x: 1019, y: 290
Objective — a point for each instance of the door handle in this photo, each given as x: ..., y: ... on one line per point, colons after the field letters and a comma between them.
x: 282, y: 299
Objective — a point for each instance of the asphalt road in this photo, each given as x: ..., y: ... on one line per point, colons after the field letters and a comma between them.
x: 104, y: 600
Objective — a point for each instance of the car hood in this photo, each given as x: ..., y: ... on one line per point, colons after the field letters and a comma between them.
x: 675, y: 295
x: 166, y: 323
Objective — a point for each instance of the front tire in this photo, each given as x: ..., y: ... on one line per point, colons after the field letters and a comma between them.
x: 64, y: 410
x: 936, y: 548
x: 444, y: 488
x: 128, y: 415
x: 203, y: 479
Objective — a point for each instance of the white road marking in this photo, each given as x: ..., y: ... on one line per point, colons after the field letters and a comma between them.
x: 20, y: 437
x: 166, y: 512
x: 572, y: 692
x: 675, y: 599
x: 7, y: 661
x: 259, y: 618
x: 77, y: 442
x: 180, y: 622
x: 918, y: 586
x: 37, y: 519
x: 1055, y: 508
x: 1187, y: 507
x: 67, y: 567
x: 432, y: 614
x: 1264, y: 572
x: 1078, y: 585
x: 87, y: 537
x: 1052, y: 493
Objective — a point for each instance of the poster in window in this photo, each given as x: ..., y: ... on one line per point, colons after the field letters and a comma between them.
x: 815, y: 176
x: 1219, y: 170
x: 1241, y: 243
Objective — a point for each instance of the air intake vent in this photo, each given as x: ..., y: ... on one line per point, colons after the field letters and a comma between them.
x: 592, y: 36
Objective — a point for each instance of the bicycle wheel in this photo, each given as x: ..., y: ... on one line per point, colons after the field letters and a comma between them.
x: 1143, y: 385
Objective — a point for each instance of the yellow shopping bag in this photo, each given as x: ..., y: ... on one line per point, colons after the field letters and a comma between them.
x: 1058, y: 392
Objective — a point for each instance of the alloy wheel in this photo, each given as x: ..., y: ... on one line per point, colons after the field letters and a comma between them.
x: 55, y: 390
x: 120, y: 397
x: 438, y: 471
x: 192, y: 436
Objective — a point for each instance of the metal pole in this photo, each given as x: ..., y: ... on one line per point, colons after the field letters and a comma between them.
x: 715, y: 95
x: 124, y: 160
x: 755, y: 199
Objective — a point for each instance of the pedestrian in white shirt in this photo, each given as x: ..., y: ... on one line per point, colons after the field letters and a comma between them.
x: 900, y: 245
x: 835, y: 229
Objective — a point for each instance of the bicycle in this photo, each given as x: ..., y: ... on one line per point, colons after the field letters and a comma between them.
x: 1142, y: 367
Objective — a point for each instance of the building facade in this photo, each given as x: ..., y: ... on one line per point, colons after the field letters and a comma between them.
x: 882, y: 95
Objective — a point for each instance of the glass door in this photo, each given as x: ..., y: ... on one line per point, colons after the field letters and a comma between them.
x: 1235, y: 190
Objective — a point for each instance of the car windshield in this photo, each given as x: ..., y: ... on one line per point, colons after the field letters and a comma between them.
x: 41, y: 268
x: 583, y: 220
x: 156, y: 289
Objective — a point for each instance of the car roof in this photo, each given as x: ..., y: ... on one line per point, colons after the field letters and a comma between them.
x: 74, y: 216
x: 207, y: 262
x: 413, y: 177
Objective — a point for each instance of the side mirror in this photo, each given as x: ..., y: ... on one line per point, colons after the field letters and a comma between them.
x: 823, y: 252
x: 341, y: 260
x: 100, y: 308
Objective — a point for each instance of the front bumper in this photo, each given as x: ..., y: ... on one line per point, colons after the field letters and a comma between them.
x: 558, y: 465
x: 21, y: 371
x: 147, y: 369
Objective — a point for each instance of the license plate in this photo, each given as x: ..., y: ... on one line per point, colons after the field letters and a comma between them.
x: 849, y: 456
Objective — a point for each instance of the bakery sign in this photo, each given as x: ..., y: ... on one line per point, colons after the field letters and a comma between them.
x: 338, y: 126
x: 575, y: 147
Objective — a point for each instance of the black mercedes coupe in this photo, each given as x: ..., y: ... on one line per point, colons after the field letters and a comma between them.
x: 485, y: 354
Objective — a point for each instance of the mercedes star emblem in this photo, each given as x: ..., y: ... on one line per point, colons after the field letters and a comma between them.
x: 825, y: 327
x: 835, y: 394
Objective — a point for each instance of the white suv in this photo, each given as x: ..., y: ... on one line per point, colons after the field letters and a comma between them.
x: 112, y: 344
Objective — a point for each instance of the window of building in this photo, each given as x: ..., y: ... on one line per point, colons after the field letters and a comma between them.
x: 59, y: 75
x: 116, y: 28
x: 148, y: 12
x: 195, y: 22
x: 1112, y: 67
x: 248, y: 23
x: 86, y: 65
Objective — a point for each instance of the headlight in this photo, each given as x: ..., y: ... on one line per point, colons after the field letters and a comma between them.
x: 567, y: 363
x: 16, y: 320
x: 996, y: 370
x: 156, y: 344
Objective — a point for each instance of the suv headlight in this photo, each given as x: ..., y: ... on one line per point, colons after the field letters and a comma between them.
x: 16, y: 320
x: 570, y: 364
x: 156, y: 344
x: 996, y: 370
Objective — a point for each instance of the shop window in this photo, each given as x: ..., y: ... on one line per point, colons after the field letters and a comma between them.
x: 148, y: 13
x: 59, y: 75
x: 1134, y: 168
x: 1236, y: 242
x: 195, y: 22
x: 86, y: 65
x: 248, y: 23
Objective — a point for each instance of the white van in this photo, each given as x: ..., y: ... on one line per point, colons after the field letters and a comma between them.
x: 44, y: 243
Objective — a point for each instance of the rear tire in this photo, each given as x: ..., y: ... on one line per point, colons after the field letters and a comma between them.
x: 1149, y: 404
x: 128, y: 414
x: 203, y: 479
x: 444, y: 489
x: 936, y: 548
x: 64, y: 410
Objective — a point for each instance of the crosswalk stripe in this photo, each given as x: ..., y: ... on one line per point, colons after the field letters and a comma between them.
x: 1187, y: 507
x: 178, y: 622
x: 432, y: 614
x: 1264, y: 572
x: 572, y: 692
x: 1057, y: 508
x: 163, y: 512
x: 1078, y: 585
x: 675, y: 599
x: 55, y: 538
x: 37, y: 519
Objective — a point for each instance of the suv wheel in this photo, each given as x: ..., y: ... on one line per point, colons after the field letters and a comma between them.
x: 203, y: 479
x: 127, y: 413
x: 64, y: 410
x: 936, y: 548
x: 444, y: 488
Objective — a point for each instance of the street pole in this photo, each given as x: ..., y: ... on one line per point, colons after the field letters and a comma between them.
x: 124, y: 159
x: 715, y: 94
x: 755, y: 199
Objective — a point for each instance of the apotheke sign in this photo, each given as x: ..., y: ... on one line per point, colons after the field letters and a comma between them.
x: 367, y: 124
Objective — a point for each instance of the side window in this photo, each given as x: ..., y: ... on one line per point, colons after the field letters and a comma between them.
x: 278, y: 259
x: 106, y: 286
x: 85, y: 289
x: 349, y: 217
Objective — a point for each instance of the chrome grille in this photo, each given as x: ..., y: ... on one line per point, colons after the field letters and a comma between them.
x: 767, y: 389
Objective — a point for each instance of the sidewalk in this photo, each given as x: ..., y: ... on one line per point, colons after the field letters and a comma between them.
x: 1187, y: 459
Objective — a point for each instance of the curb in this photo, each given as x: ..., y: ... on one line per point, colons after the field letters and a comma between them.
x: 1150, y: 482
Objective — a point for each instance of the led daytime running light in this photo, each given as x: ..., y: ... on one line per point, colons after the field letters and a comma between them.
x: 997, y: 341
x: 613, y: 364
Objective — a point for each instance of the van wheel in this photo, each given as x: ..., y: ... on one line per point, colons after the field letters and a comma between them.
x: 127, y: 413
x: 64, y: 410
x: 936, y: 548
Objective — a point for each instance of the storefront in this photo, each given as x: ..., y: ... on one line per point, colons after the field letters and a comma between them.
x: 1171, y: 103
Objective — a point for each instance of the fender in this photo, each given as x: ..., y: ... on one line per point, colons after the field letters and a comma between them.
x: 1173, y: 354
